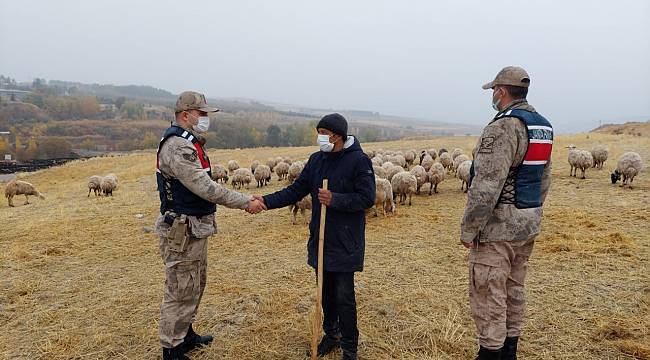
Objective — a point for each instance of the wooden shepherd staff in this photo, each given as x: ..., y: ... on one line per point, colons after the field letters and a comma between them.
x: 317, y: 319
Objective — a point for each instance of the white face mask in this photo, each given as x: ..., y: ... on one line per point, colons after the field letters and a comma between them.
x: 324, y: 143
x: 495, y: 103
x: 203, y: 125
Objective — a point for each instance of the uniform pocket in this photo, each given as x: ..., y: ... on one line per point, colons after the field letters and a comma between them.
x: 182, y: 281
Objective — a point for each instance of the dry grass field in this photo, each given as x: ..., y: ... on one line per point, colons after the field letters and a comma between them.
x: 79, y: 278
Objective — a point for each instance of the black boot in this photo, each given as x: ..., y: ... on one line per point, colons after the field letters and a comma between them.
x: 175, y: 353
x: 193, y: 340
x: 509, y: 351
x: 487, y: 354
x: 328, y: 344
x: 347, y: 355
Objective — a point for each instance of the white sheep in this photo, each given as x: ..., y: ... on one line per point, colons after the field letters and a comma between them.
x: 455, y: 153
x: 294, y: 170
x: 404, y: 184
x: 409, y: 157
x: 19, y: 187
x: 426, y: 162
x: 420, y: 176
x: 220, y: 174
x: 600, y: 154
x: 446, y: 161
x: 398, y: 160
x: 254, y: 165
x: 579, y: 159
x: 282, y: 169
x: 94, y: 184
x: 379, y: 171
x: 459, y: 160
x: 302, y: 205
x: 271, y: 163
x: 232, y: 165
x: 377, y: 161
x: 108, y: 184
x: 436, y: 176
x: 384, y: 196
x: 391, y: 170
x: 262, y: 175
x: 463, y: 174
x: 241, y: 177
x: 629, y: 165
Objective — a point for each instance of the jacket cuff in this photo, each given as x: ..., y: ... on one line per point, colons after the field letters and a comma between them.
x: 244, y: 201
x: 336, y: 201
x: 467, y: 237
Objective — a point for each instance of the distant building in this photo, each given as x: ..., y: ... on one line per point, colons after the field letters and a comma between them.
x: 13, y: 94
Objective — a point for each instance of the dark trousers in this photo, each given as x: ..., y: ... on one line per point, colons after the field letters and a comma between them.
x: 340, y: 309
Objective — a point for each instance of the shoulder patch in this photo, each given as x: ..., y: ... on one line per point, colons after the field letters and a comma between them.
x: 191, y: 157
x: 486, y: 145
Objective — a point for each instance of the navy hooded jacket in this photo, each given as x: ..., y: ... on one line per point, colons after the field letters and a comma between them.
x: 352, y: 183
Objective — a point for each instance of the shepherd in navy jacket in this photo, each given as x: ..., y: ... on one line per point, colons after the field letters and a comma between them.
x: 351, y: 191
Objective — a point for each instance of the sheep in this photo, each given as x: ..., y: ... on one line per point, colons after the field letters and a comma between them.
x: 391, y: 170
x: 108, y: 184
x: 377, y: 161
x: 629, y: 165
x: 455, y: 153
x: 220, y: 174
x: 263, y: 175
x: 409, y: 157
x: 579, y: 159
x: 282, y: 169
x: 442, y: 150
x: 254, y: 165
x: 94, y: 184
x: 398, y: 160
x: 384, y: 196
x: 431, y: 152
x: 302, y: 205
x: 436, y: 176
x: 446, y: 161
x: 459, y: 160
x: 463, y: 174
x: 404, y: 184
x: 379, y: 171
x: 232, y: 165
x: 600, y: 154
x: 18, y: 187
x: 287, y: 160
x: 241, y: 177
x: 271, y: 163
x: 420, y: 176
x: 294, y: 170
x: 370, y: 154
x: 427, y: 162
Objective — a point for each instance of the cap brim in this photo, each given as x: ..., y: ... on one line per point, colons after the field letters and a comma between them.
x: 489, y: 85
x: 209, y: 109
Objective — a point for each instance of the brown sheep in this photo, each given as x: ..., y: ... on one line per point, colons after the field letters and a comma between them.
x: 18, y: 187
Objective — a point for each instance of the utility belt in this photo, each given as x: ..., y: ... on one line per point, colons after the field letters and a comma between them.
x: 178, y: 236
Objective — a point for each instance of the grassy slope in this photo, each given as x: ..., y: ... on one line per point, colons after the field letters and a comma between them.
x: 79, y: 277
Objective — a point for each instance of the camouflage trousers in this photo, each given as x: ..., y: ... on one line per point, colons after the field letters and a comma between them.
x: 185, y: 278
x: 497, y: 296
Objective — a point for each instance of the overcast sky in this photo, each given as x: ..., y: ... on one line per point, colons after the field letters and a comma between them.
x: 589, y: 61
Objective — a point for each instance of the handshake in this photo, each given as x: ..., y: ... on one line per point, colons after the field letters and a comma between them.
x: 256, y: 205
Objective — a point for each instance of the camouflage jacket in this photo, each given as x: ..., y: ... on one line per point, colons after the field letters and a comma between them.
x: 502, y: 146
x: 179, y: 159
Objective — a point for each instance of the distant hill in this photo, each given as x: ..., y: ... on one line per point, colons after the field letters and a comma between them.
x: 635, y: 128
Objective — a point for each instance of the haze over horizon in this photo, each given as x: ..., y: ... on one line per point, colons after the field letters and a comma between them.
x: 588, y: 60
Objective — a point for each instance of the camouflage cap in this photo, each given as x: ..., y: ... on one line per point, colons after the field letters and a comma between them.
x: 189, y: 100
x: 510, y: 75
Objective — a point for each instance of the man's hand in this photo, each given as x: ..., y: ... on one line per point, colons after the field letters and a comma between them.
x: 325, y: 197
x: 255, y: 206
x: 468, y: 245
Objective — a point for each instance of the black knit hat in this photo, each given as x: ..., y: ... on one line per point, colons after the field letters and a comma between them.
x: 335, y: 123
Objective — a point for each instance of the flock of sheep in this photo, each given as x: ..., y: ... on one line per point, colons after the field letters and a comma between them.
x: 628, y: 166
x: 398, y: 174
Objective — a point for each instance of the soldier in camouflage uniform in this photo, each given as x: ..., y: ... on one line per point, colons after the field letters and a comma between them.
x: 510, y: 178
x: 188, y: 197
